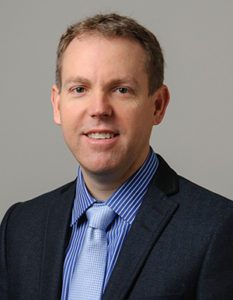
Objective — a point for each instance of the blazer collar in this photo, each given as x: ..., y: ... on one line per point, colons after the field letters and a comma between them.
x: 152, y: 218
x: 57, y: 235
x: 165, y: 178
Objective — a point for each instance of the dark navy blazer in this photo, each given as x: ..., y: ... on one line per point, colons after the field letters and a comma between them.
x: 180, y: 245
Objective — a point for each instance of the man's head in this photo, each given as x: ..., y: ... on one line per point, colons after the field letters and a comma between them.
x: 113, y: 25
x: 105, y: 103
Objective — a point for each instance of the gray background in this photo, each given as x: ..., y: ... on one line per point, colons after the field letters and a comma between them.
x: 196, y: 135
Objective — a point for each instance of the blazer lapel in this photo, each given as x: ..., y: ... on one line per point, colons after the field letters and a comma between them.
x: 56, y: 240
x: 153, y: 216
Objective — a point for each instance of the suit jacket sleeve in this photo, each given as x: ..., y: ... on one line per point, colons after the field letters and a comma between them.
x: 216, y: 276
x: 3, y: 255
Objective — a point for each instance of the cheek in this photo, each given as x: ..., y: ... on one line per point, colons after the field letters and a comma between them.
x: 69, y: 118
x: 141, y: 120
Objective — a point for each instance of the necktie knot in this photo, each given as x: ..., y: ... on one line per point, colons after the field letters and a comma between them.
x: 100, y: 216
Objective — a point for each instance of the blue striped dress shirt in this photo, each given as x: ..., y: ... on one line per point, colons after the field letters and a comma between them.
x: 125, y: 202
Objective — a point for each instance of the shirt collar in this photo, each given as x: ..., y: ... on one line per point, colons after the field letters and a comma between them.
x: 126, y: 200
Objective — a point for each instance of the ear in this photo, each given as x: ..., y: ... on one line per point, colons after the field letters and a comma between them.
x: 55, y: 99
x: 161, y: 99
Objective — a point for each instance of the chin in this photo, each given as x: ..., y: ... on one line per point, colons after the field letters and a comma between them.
x: 99, y: 166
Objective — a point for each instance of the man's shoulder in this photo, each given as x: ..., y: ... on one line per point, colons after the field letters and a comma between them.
x: 201, y: 210
x: 202, y: 195
x: 53, y: 195
x: 172, y: 183
x: 38, y: 207
x: 194, y: 201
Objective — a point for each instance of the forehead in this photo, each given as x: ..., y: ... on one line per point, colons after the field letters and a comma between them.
x: 93, y: 38
x: 112, y: 54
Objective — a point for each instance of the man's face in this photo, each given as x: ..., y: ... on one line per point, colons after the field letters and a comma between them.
x: 103, y: 106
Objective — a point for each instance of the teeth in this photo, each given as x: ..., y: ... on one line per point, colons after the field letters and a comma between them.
x: 102, y: 135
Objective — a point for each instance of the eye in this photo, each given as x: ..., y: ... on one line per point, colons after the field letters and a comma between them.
x: 79, y: 90
x: 122, y: 90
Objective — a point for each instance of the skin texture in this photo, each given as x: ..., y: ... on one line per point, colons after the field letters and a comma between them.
x: 105, y: 89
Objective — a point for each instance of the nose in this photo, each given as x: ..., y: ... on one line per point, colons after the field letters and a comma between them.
x: 100, y: 106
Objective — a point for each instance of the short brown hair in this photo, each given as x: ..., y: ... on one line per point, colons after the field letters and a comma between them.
x: 113, y: 25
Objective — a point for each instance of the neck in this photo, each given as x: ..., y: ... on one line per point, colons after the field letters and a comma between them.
x: 103, y: 184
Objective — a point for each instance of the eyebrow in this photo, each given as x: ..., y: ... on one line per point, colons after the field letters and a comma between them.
x: 85, y: 81
x: 124, y: 80
x: 77, y: 79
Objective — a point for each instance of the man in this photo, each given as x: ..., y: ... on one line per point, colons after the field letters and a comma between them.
x: 167, y: 237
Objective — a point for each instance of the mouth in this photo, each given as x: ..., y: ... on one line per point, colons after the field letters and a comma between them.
x: 101, y: 135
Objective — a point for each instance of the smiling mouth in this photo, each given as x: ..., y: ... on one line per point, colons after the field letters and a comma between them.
x: 101, y: 135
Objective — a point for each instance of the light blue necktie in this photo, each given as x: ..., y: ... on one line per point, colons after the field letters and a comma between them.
x: 88, y: 277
